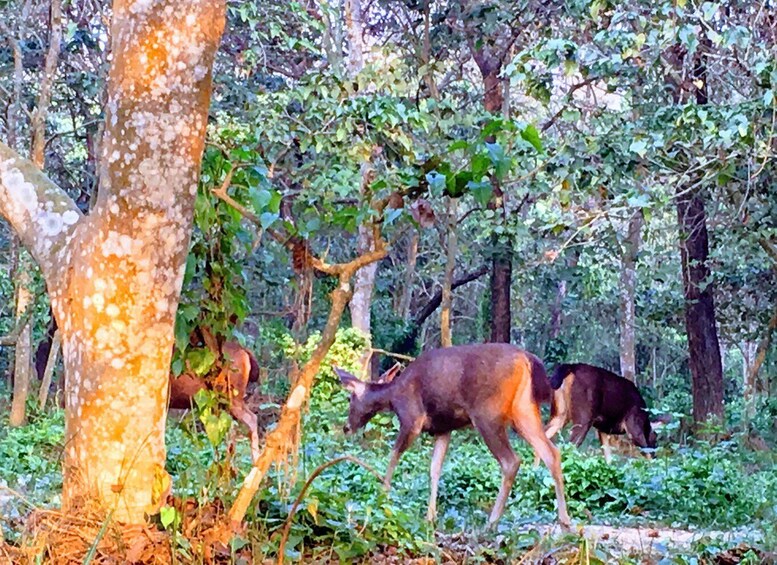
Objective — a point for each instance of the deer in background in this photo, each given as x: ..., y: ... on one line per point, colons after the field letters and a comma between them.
x: 591, y: 396
x: 488, y: 386
x: 235, y: 367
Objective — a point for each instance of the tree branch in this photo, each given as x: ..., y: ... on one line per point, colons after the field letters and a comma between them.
x: 40, y: 212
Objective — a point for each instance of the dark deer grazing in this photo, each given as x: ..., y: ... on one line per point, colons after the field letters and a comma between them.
x: 236, y: 368
x: 591, y: 396
x: 487, y: 385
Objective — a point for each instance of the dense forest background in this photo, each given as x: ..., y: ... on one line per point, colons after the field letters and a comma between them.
x: 591, y: 180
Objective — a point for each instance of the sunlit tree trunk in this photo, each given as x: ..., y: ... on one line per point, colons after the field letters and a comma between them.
x: 114, y: 277
x: 628, y: 288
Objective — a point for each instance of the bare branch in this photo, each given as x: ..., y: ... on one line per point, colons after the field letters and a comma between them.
x: 38, y: 125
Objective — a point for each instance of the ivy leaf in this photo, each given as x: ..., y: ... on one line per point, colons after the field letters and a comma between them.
x: 436, y: 182
x: 481, y: 191
x: 216, y: 428
x: 639, y: 146
x: 530, y: 134
x: 200, y: 360
x: 167, y: 515
x: 267, y: 219
x: 498, y: 158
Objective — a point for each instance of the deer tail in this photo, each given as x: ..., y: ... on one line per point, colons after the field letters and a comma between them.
x: 253, y: 373
x: 561, y: 373
x: 539, y: 381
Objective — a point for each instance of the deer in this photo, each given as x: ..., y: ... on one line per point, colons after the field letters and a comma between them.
x: 236, y: 367
x: 488, y: 386
x: 591, y: 396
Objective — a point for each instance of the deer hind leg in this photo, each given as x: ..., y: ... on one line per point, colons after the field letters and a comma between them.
x: 495, y: 435
x: 529, y: 425
x: 438, y: 456
x: 554, y: 426
x: 605, y: 440
x: 241, y: 413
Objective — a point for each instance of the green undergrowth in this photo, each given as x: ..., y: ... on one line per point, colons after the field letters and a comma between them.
x: 347, y: 515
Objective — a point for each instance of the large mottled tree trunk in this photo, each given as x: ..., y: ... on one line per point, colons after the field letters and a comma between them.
x: 114, y: 277
x: 703, y: 346
x: 628, y: 288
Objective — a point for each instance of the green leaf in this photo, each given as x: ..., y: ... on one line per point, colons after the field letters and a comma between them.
x: 481, y: 192
x: 216, y: 428
x: 200, y: 360
x: 459, y: 144
x: 436, y: 182
x: 167, y: 516
x: 267, y: 219
x: 639, y: 146
x: 531, y: 135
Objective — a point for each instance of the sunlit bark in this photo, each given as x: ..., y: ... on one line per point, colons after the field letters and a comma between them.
x: 114, y: 277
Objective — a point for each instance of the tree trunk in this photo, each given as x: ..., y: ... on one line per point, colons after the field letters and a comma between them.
x: 23, y: 348
x: 409, y: 275
x: 703, y: 346
x: 446, y: 338
x: 115, y: 276
x: 48, y: 372
x: 628, y: 287
x: 501, y: 263
x: 361, y: 301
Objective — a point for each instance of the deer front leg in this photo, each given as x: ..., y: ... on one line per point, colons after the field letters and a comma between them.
x: 407, y: 434
x: 241, y: 413
x: 438, y: 456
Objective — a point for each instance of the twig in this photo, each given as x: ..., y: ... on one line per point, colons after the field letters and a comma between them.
x: 320, y: 469
x: 392, y: 354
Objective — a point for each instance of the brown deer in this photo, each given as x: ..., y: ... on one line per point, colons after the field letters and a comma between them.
x: 236, y: 367
x: 591, y: 396
x: 488, y: 386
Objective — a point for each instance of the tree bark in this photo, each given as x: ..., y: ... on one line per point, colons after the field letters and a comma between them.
x: 703, y: 345
x: 48, y: 372
x: 490, y: 66
x: 446, y: 337
x: 628, y: 288
x: 23, y: 348
x: 361, y: 300
x: 114, y: 277
x: 409, y: 275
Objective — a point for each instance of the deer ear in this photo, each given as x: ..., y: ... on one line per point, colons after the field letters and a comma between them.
x: 349, y: 382
x: 389, y: 375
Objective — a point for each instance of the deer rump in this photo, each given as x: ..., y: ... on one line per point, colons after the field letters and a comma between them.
x: 238, y: 368
x: 590, y: 396
x: 488, y: 386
